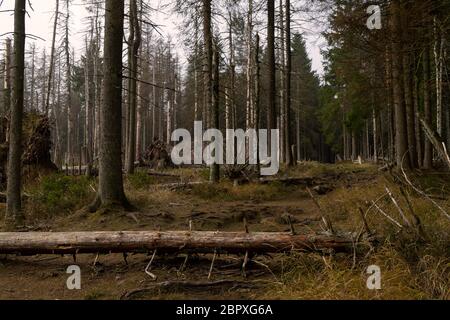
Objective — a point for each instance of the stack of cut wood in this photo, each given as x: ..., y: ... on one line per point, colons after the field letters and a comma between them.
x: 157, y: 156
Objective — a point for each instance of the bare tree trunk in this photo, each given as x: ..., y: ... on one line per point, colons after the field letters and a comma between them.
x: 428, y: 152
x: 88, y: 109
x: 375, y: 135
x: 155, y: 100
x: 271, y: 112
x: 288, y: 78
x: 70, y: 115
x: 439, y: 65
x: 134, y: 45
x: 33, y: 78
x: 52, y: 59
x: 30, y: 243
x: 282, y: 103
x: 417, y: 126
x: 401, y: 137
x: 257, y: 97
x: 250, y: 97
x: 215, y: 169
x: 211, y: 77
x: 111, y: 190
x: 14, y: 202
x: 410, y: 116
x: 7, y: 84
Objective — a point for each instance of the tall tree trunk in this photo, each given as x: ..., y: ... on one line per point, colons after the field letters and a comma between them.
x: 52, y: 59
x: 271, y: 112
x: 14, y: 203
x: 410, y: 116
x: 7, y: 84
x: 70, y: 115
x: 375, y: 135
x: 111, y: 190
x: 250, y: 96
x: 33, y: 78
x: 197, y: 113
x: 133, y: 53
x: 282, y: 82
x: 211, y: 77
x: 419, y: 148
x: 401, y: 137
x: 215, y: 169
x: 257, y: 97
x: 428, y: 148
x: 439, y: 70
x: 288, y: 78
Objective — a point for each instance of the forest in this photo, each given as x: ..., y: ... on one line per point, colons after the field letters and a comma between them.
x: 99, y: 173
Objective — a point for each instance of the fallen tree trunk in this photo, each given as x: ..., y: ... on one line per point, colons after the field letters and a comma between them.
x: 166, y: 242
x: 436, y: 141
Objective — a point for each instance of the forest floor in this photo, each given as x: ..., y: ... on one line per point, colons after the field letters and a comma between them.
x: 411, y: 269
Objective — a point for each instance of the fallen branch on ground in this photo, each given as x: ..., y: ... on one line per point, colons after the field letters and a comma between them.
x: 191, y: 284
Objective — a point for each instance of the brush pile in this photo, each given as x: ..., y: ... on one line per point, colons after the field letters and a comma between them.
x: 157, y: 156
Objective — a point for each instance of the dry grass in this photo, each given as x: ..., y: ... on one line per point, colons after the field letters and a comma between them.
x: 411, y: 268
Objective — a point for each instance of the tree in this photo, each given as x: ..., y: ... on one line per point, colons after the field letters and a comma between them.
x: 111, y: 191
x: 14, y: 203
x: 401, y: 137
x: 134, y: 43
x: 288, y: 77
x: 211, y: 77
x: 271, y: 112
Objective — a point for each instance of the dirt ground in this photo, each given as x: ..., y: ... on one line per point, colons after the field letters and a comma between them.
x: 224, y: 208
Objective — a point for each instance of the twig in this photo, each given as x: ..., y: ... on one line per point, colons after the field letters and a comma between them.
x: 212, y: 265
x: 244, y: 265
x: 149, y: 266
x: 192, y: 284
x: 423, y: 193
x: 400, y: 210
x: 365, y: 224
x: 324, y: 217
x: 387, y: 216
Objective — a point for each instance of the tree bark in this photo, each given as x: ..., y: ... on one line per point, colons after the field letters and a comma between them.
x: 111, y: 190
x: 250, y: 94
x: 7, y: 84
x: 14, y: 203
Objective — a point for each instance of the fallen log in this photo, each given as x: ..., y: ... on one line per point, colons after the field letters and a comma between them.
x: 180, y: 185
x: 33, y: 243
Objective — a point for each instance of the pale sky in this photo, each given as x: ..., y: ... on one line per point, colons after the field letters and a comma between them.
x: 40, y: 24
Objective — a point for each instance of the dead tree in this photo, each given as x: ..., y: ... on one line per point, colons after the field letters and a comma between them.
x: 111, y: 191
x: 14, y: 204
x: 33, y: 243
